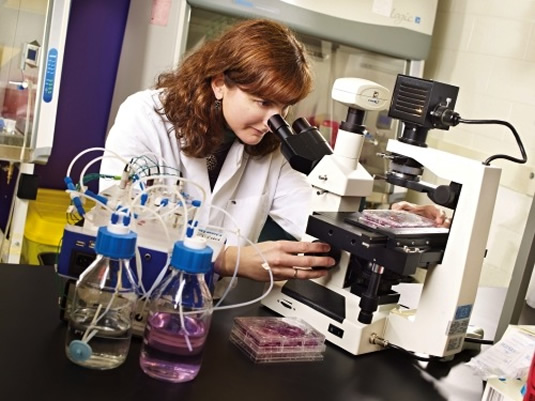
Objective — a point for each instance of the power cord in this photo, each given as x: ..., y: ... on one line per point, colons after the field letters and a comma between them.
x: 501, y: 156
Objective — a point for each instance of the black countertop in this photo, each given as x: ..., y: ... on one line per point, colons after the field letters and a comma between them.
x: 34, y: 365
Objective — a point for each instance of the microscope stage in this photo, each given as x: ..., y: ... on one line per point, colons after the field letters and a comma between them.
x: 398, y: 249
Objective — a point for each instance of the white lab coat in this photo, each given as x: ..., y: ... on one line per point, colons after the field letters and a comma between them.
x: 248, y: 188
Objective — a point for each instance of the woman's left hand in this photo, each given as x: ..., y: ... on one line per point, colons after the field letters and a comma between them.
x: 430, y: 211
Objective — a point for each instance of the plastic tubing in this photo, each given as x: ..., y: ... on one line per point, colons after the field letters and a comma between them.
x: 181, y: 179
x: 160, y: 218
x: 161, y: 162
x: 87, y: 336
x: 158, y: 279
x: 83, y: 195
x: 86, y: 167
x: 265, y: 265
x: 158, y: 186
x: 238, y: 255
x: 94, y: 149
x: 139, y: 268
x: 178, y: 178
x: 181, y: 311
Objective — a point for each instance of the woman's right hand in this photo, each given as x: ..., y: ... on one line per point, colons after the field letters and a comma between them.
x: 287, y: 260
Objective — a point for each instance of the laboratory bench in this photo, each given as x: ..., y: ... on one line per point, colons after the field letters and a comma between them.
x: 34, y: 365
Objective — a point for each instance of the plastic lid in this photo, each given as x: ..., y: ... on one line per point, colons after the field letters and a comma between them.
x: 277, y: 339
x: 192, y: 255
x: 115, y: 246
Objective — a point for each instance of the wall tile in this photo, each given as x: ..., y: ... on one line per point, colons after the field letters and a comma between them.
x: 523, y: 119
x: 523, y: 10
x: 487, y: 48
x: 472, y: 73
x: 530, y: 48
x: 452, y: 31
x: 499, y: 37
x: 513, y: 80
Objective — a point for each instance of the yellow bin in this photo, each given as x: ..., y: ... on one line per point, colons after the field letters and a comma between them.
x: 46, y: 219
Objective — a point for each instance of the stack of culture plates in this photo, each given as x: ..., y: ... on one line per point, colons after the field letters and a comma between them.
x: 277, y: 339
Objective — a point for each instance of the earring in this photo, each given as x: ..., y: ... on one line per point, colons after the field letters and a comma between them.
x: 217, y: 104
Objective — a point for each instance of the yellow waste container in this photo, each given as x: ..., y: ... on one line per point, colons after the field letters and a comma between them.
x: 45, y: 221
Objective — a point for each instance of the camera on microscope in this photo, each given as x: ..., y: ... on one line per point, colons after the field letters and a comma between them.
x: 304, y: 146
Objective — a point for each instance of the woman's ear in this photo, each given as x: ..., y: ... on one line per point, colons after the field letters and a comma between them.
x: 218, y: 86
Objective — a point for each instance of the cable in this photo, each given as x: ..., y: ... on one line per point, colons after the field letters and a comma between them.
x: 374, y: 339
x: 414, y: 355
x: 478, y: 341
x: 500, y: 156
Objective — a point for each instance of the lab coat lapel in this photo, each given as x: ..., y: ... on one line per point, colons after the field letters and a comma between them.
x: 230, y: 173
x: 194, y: 169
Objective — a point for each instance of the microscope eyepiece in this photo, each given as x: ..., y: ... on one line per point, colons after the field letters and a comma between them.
x: 279, y: 127
x: 301, y: 124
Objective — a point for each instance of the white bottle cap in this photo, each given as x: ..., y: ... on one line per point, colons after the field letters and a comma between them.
x: 195, y: 242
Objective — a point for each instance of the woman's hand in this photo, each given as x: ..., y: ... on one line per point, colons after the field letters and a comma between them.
x: 430, y: 211
x: 287, y: 259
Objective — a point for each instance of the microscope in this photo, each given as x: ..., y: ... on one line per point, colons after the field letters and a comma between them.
x: 356, y: 306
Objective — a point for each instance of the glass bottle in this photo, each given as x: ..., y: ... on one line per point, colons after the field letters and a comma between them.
x: 179, y: 315
x: 100, y: 321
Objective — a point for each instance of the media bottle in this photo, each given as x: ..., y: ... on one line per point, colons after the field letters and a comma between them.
x: 179, y: 315
x: 100, y: 320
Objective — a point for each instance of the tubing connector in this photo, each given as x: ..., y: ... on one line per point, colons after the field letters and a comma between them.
x: 375, y: 339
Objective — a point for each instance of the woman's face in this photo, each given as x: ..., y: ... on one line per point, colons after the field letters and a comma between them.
x: 246, y: 115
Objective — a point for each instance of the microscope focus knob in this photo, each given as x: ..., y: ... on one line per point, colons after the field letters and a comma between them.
x: 445, y: 195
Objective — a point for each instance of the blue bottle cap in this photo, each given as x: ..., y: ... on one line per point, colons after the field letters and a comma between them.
x: 192, y: 256
x: 80, y: 351
x: 115, y: 245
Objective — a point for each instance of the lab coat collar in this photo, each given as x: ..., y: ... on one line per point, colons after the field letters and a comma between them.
x: 194, y: 168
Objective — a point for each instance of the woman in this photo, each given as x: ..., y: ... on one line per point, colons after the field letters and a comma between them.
x: 208, y: 119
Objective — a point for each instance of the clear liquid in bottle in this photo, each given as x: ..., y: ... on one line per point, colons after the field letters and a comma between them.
x: 109, y: 345
x: 100, y: 318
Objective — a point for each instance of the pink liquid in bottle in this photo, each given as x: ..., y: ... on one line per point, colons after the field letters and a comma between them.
x: 171, y: 352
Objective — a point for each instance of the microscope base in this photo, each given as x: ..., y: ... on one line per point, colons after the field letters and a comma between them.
x: 333, y: 312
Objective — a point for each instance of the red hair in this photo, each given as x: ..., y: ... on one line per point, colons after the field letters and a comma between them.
x: 261, y: 57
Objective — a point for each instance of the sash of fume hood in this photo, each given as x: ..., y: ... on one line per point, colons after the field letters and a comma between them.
x: 391, y: 40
